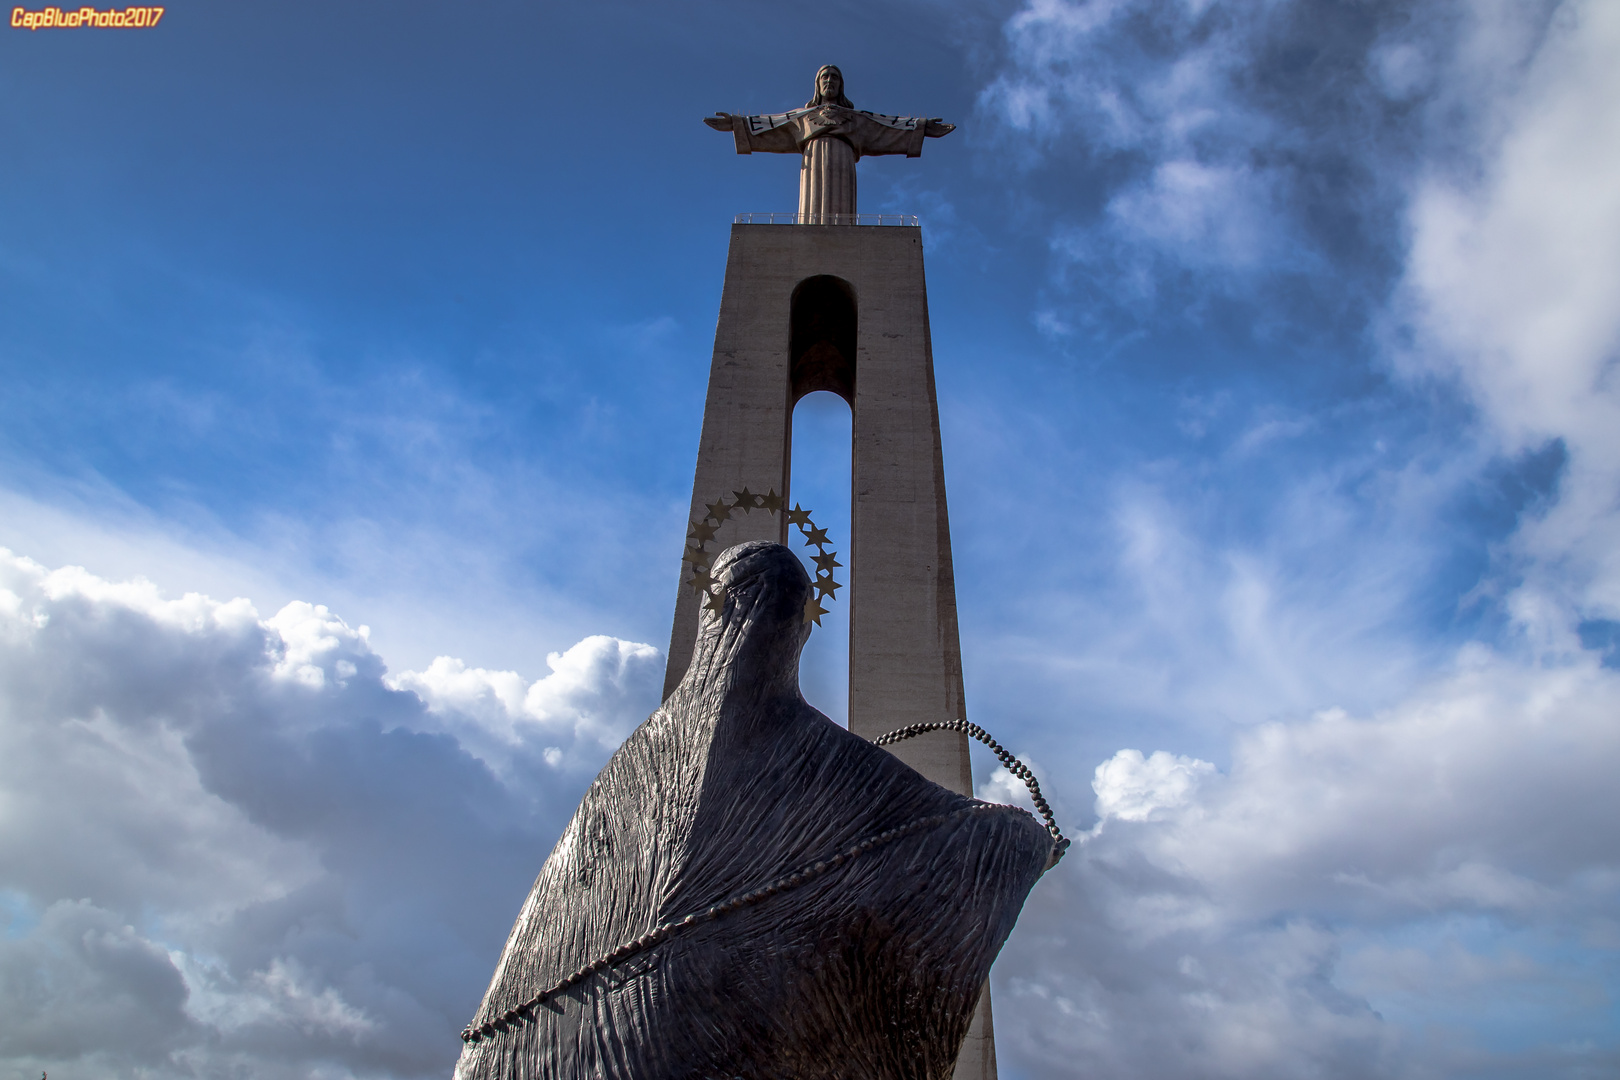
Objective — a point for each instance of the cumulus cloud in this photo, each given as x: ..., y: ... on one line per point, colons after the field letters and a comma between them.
x: 1350, y: 880
x: 1133, y: 788
x: 234, y: 844
x: 1513, y: 291
x: 1405, y: 869
x: 576, y: 712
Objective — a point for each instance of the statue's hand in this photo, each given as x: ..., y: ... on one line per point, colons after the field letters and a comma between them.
x: 936, y: 128
x: 719, y: 121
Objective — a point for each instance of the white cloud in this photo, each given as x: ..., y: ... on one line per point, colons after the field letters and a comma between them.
x: 577, y: 710
x: 1513, y: 291
x: 229, y: 844
x: 1408, y: 865
x: 1302, y: 914
x: 1130, y: 787
x: 494, y: 698
x: 283, y: 995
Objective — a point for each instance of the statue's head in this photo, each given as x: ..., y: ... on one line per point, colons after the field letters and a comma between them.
x: 829, y: 88
x: 760, y: 626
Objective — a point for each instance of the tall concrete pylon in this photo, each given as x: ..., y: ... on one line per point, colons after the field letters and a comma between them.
x: 845, y: 308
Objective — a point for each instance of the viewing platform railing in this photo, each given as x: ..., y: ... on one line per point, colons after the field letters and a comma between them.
x: 908, y: 220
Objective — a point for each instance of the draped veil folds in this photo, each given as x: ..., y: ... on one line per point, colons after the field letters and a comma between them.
x: 870, y: 970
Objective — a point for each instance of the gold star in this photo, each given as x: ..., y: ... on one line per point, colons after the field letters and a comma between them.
x: 815, y: 536
x: 826, y: 560
x: 798, y: 515
x: 716, y: 601
x: 719, y: 510
x: 701, y: 579
x: 697, y: 556
x: 826, y: 586
x: 745, y: 499
x: 771, y: 502
x: 702, y: 532
x: 813, y: 611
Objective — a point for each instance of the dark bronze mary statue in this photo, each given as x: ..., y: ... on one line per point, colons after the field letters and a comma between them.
x: 749, y: 890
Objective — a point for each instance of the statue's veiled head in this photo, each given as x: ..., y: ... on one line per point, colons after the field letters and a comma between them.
x: 760, y: 627
x: 829, y: 88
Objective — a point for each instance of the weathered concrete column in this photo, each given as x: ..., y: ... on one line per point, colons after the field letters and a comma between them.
x: 905, y: 655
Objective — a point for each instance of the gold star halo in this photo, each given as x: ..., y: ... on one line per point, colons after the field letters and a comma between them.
x: 719, y: 511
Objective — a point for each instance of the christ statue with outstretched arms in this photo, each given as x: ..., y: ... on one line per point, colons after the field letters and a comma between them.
x: 831, y: 135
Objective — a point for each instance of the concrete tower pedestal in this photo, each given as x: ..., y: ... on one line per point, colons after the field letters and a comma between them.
x: 845, y: 308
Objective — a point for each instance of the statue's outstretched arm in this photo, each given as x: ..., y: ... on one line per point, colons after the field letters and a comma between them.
x: 937, y: 128
x: 772, y: 134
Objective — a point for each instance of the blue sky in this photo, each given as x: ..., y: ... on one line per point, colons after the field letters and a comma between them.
x: 353, y: 361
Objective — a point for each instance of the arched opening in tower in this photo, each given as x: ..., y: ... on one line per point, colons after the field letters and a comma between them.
x: 823, y: 338
x: 820, y: 463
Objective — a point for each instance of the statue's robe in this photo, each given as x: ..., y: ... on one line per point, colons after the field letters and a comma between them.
x: 831, y: 139
x: 870, y: 970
